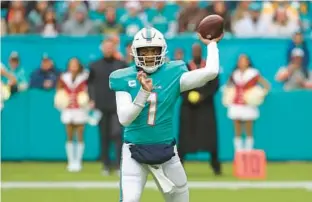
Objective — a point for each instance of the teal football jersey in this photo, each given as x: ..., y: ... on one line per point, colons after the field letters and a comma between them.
x: 154, y: 125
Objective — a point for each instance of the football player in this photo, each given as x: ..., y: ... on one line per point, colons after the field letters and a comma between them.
x: 146, y: 94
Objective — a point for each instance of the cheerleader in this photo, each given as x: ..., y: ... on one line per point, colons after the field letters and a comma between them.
x: 73, y: 83
x: 243, y: 114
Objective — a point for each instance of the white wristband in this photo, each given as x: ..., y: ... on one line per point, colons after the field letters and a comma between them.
x: 141, y: 97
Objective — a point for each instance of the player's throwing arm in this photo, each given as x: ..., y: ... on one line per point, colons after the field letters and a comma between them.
x: 210, y: 31
x: 199, y: 77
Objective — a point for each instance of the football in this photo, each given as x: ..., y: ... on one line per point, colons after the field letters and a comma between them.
x: 211, y: 27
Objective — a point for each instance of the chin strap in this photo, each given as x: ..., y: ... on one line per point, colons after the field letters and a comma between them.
x: 141, y: 69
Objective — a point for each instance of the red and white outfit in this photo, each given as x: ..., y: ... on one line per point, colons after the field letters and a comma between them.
x: 73, y: 113
x: 242, y: 81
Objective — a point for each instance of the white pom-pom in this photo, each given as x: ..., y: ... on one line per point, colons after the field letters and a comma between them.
x: 228, y: 95
x: 61, y: 99
x: 83, y: 99
x: 255, y: 96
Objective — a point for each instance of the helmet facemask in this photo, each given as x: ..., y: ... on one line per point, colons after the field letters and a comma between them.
x: 149, y: 58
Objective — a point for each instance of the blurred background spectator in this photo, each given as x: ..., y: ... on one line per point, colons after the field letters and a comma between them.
x: 242, y: 9
x: 250, y: 22
x: 46, y: 76
x: 15, y: 7
x: 103, y: 99
x: 36, y: 15
x: 78, y: 22
x: 298, y: 42
x: 289, y: 7
x: 293, y: 75
x: 17, y: 23
x: 98, y: 11
x: 3, y: 27
x: 67, y: 9
x: 110, y: 25
x: 163, y: 18
x: 305, y: 16
x: 282, y: 24
x: 49, y: 27
x: 178, y: 54
x: 14, y: 68
x: 131, y: 21
x: 188, y: 18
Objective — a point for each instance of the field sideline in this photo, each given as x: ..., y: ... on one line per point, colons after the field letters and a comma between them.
x: 50, y: 182
x: 56, y: 172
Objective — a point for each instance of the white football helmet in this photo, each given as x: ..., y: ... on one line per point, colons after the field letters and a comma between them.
x: 149, y: 37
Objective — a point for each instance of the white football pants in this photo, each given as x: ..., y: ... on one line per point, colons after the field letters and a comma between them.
x: 134, y: 175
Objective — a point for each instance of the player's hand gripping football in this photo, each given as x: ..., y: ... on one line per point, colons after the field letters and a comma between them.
x: 207, y: 41
x: 146, y: 83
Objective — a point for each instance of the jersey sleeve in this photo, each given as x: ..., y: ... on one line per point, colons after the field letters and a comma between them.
x: 117, y: 81
x: 178, y: 68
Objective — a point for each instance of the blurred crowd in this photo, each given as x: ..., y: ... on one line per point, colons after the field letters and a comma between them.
x: 242, y: 18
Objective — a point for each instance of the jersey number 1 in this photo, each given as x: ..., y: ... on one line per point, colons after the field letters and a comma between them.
x: 152, y: 99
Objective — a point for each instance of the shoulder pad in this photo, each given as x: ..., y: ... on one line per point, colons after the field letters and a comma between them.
x: 179, y: 65
x: 118, y: 79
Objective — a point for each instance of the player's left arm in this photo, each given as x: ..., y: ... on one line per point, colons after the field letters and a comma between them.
x: 198, y: 78
x: 127, y: 109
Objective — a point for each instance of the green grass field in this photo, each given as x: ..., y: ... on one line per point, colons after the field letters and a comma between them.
x: 90, y: 186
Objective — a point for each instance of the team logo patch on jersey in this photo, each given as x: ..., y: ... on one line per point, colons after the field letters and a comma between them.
x: 132, y: 83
